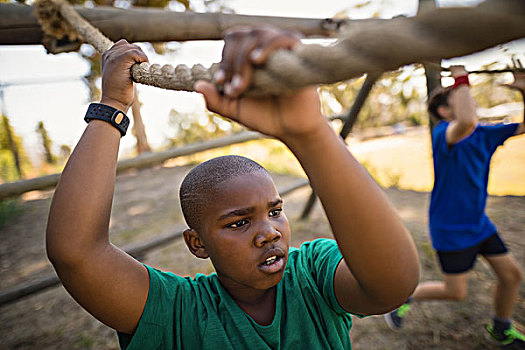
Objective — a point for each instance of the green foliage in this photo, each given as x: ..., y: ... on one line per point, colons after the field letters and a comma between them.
x: 426, y: 249
x: 395, y: 98
x: 205, y: 125
x: 155, y: 3
x: 393, y: 178
x: 11, y: 147
x: 9, y: 209
x: 65, y: 152
x: 384, y: 177
x: 372, y: 171
x: 400, y: 97
x: 276, y: 158
x: 8, y: 170
x: 487, y: 91
x: 93, y: 75
x: 416, y: 119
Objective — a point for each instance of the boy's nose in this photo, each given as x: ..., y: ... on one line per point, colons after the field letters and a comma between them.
x: 267, y: 233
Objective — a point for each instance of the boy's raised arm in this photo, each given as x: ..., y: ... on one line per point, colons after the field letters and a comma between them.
x: 463, y: 107
x: 380, y: 268
x: 107, y: 282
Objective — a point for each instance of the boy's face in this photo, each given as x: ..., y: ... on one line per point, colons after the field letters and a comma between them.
x: 246, y: 233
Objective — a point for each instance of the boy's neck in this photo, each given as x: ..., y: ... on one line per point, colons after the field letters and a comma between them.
x: 261, y: 309
x: 258, y: 304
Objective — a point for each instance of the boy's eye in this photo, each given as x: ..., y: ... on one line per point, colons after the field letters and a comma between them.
x: 275, y: 212
x: 239, y: 223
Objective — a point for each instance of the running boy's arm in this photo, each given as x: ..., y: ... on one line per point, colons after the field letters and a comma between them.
x: 519, y: 84
x: 107, y: 282
x: 463, y: 107
x: 380, y: 268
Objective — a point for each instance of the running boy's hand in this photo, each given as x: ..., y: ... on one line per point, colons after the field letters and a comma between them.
x: 457, y: 71
x: 117, y: 87
x: 290, y: 115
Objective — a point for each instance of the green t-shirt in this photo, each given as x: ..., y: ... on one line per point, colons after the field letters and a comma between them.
x: 185, y: 313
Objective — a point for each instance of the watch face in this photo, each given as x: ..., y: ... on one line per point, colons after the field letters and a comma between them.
x: 119, y: 117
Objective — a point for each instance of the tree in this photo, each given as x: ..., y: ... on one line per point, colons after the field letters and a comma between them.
x: 139, y: 130
x: 46, y: 143
x: 396, y: 97
x: 198, y: 127
x: 12, y: 155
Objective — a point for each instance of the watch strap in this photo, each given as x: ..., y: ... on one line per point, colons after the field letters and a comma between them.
x: 108, y: 114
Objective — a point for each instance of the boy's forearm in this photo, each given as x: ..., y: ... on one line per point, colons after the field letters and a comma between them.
x: 464, y: 106
x: 371, y: 236
x: 81, y: 207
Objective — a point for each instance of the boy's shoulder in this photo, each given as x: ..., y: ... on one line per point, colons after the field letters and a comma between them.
x: 314, y: 258
x: 317, y: 245
x: 314, y: 248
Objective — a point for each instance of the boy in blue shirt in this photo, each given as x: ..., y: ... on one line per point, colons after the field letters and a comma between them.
x: 459, y: 228
x: 263, y: 294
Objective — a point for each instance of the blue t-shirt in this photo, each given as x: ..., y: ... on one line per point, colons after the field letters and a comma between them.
x: 186, y: 313
x: 457, y: 206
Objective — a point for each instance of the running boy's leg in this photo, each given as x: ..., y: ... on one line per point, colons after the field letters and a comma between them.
x: 505, y: 298
x: 453, y: 287
x: 455, y: 266
x: 509, y: 277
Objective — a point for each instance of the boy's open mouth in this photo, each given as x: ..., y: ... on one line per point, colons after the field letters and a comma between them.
x: 270, y: 260
x: 273, y: 263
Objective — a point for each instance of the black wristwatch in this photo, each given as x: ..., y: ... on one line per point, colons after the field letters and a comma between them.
x: 108, y: 114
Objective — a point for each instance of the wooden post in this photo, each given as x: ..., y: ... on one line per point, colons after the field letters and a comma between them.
x: 139, y: 130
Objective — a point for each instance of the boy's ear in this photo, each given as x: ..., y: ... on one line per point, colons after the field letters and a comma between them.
x: 195, y: 243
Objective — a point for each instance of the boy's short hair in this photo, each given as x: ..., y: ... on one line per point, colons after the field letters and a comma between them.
x: 438, y: 97
x: 200, y: 184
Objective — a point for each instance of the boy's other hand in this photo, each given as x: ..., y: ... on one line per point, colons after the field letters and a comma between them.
x: 117, y: 86
x: 290, y: 115
x: 457, y: 71
x: 246, y: 47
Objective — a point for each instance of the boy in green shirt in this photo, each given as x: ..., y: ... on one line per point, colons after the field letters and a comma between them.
x: 263, y: 295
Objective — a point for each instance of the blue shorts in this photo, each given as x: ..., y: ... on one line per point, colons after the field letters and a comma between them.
x: 464, y: 260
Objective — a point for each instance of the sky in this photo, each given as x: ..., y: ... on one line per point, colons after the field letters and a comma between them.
x: 37, y: 86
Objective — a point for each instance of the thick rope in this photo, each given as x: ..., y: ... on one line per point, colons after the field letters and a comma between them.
x: 374, y: 46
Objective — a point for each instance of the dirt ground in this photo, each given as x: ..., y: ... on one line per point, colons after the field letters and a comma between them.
x: 145, y: 206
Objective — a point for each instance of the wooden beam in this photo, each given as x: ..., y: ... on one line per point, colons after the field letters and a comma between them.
x: 16, y: 188
x: 19, y: 26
